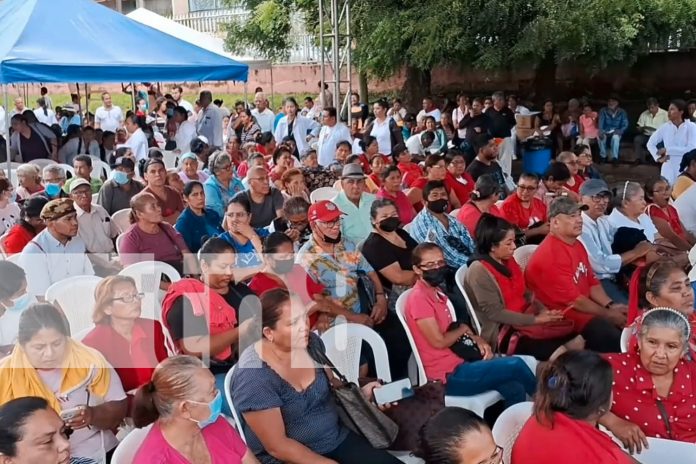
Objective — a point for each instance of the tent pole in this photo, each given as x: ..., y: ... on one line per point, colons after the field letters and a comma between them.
x: 87, y: 105
x: 6, y: 122
x: 246, y: 95
x: 272, y: 92
x: 79, y: 105
x: 135, y: 107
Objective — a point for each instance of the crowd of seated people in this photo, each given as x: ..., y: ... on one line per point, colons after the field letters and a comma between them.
x: 428, y: 229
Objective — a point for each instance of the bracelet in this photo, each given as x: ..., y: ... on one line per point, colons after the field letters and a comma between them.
x: 609, y: 305
x: 379, y: 293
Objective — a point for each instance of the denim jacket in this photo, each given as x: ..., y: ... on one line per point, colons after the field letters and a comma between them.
x: 617, y: 121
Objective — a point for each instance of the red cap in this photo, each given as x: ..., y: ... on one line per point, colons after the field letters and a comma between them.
x: 324, y: 211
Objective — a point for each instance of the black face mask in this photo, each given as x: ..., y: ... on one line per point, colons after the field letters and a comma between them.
x: 436, y: 277
x: 438, y: 206
x: 390, y: 224
x: 332, y: 241
x: 284, y: 266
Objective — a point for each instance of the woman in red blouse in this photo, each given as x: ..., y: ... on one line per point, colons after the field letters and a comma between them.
x: 132, y: 344
x: 410, y: 171
x: 654, y: 384
x: 665, y: 216
x: 483, y: 199
x: 571, y: 161
x: 435, y: 169
x: 457, y: 179
x: 574, y: 392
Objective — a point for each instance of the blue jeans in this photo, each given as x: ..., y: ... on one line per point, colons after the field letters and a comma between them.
x: 615, y: 144
x: 614, y: 292
x: 509, y: 376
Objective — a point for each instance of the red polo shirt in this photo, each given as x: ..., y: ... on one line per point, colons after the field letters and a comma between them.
x: 410, y: 173
x: 513, y: 211
x: 635, y: 398
x: 558, y: 273
x: 134, y: 360
x: 462, y: 186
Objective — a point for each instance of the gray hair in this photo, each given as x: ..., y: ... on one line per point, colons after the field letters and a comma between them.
x: 28, y: 169
x: 666, y: 318
x: 173, y: 381
x: 54, y: 169
x: 217, y: 159
x: 626, y: 191
x: 499, y: 95
x: 295, y: 205
x: 565, y: 156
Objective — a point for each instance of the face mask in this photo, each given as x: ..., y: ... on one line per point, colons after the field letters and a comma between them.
x: 436, y: 277
x: 438, y: 206
x: 52, y: 190
x: 120, y: 177
x: 284, y: 266
x: 390, y: 224
x: 215, y: 407
x: 333, y: 241
x: 21, y: 303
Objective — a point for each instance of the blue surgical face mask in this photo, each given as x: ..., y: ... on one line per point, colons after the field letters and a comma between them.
x: 215, y: 407
x: 52, y: 190
x: 120, y: 177
x: 21, y: 303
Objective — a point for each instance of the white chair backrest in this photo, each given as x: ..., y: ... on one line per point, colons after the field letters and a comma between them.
x: 122, y: 219
x: 323, y: 193
x: 79, y: 336
x: 75, y: 296
x: 662, y: 451
x: 343, y: 344
x: 170, y: 159
x: 228, y: 397
x: 14, y: 259
x: 119, y: 240
x: 42, y: 163
x: 692, y: 255
x: 401, y: 313
x: 523, y: 254
x: 147, y: 276
x: 12, y: 175
x: 126, y: 450
x: 454, y: 213
x: 459, y: 278
x: 100, y: 169
x: 625, y: 337
x: 68, y: 169
x: 508, y: 426
x: 692, y: 274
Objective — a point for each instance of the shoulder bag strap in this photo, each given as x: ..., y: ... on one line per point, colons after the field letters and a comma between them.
x: 665, y: 417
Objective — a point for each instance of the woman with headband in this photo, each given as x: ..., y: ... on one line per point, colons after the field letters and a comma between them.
x: 654, y: 384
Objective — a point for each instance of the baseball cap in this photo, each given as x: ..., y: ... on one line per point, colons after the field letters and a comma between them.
x: 565, y: 205
x: 78, y: 183
x: 123, y: 162
x: 352, y: 171
x: 324, y: 211
x: 592, y: 187
x: 56, y: 209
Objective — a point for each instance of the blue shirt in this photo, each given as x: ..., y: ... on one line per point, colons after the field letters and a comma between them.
x: 246, y: 253
x: 195, y: 228
x: 65, y: 122
x: 355, y: 225
x: 217, y: 195
x: 616, y: 121
x: 456, y: 243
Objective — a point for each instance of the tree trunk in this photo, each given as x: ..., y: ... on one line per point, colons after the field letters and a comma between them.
x: 544, y: 83
x: 362, y: 84
x: 416, y: 86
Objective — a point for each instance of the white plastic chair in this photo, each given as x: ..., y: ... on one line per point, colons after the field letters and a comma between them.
x: 343, y: 344
x: 100, y: 169
x: 75, y: 296
x: 68, y: 169
x: 228, y: 398
x: 119, y: 240
x: 12, y: 175
x: 663, y: 451
x: 459, y: 278
x: 625, y: 337
x: 79, y: 336
x: 170, y: 159
x: 147, y: 276
x: 126, y: 450
x: 14, y: 259
x: 454, y: 213
x: 508, y: 426
x: 476, y: 403
x: 122, y: 219
x: 523, y: 254
x: 323, y: 193
x: 692, y: 255
x: 42, y: 163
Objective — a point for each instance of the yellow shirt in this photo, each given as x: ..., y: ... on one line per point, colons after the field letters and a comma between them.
x: 680, y: 186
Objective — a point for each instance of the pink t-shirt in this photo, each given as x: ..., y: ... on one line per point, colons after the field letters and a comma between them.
x: 589, y: 125
x: 223, y: 442
x: 167, y: 246
x: 422, y: 303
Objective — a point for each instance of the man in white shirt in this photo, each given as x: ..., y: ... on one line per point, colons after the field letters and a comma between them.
x: 678, y: 137
x: 419, y: 144
x: 209, y: 123
x: 429, y: 109
x: 57, y: 252
x: 310, y: 109
x: 264, y: 116
x: 178, y: 96
x: 108, y: 117
x: 648, y: 122
x: 331, y: 133
x: 137, y: 140
x: 185, y: 130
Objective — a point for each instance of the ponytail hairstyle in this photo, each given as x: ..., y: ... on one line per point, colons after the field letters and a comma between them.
x: 442, y: 437
x: 577, y: 384
x: 486, y: 186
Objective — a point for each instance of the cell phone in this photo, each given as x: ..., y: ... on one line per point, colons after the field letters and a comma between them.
x: 393, y: 392
x: 69, y: 414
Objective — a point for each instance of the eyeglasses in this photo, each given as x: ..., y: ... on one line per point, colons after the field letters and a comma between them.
x: 81, y: 193
x: 330, y: 225
x: 262, y: 179
x: 528, y: 188
x: 130, y: 298
x: 432, y: 265
x: 496, y: 458
x: 600, y: 198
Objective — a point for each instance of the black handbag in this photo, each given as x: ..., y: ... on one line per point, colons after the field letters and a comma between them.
x: 355, y: 411
x: 465, y: 347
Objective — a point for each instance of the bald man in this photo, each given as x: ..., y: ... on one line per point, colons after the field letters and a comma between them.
x: 264, y: 116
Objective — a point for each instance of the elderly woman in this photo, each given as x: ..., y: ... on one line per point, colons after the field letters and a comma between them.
x: 654, y: 383
x: 391, y: 190
x: 28, y: 225
x: 294, y: 222
x: 665, y: 216
x: 185, y: 405
x: 289, y: 412
x: 292, y: 184
x: 196, y: 224
x: 9, y: 210
x: 222, y: 184
x: 130, y: 343
x: 507, y: 311
x: 629, y: 211
x: 29, y: 178
x: 26, y: 422
x: 574, y: 393
x: 246, y: 240
x: 189, y: 169
x: 75, y: 380
x: 151, y: 239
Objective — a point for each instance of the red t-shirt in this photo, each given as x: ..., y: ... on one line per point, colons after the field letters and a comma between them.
x: 469, y: 215
x: 462, y: 186
x: 668, y: 214
x: 513, y: 211
x: 558, y: 273
x: 134, y: 360
x: 635, y: 398
x: 578, y: 182
x: 410, y: 173
x: 512, y: 288
x: 16, y: 239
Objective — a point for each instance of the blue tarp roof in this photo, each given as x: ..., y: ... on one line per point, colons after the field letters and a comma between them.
x: 83, y: 41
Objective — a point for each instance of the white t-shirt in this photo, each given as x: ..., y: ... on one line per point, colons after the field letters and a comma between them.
x: 264, y: 119
x: 138, y: 143
x: 434, y: 113
x: 184, y: 134
x: 328, y: 139
x: 415, y: 146
x: 9, y: 327
x: 187, y: 105
x: 86, y: 442
x: 108, y: 120
x: 48, y: 118
x: 458, y: 115
x: 618, y: 219
x: 380, y: 131
x: 8, y: 216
